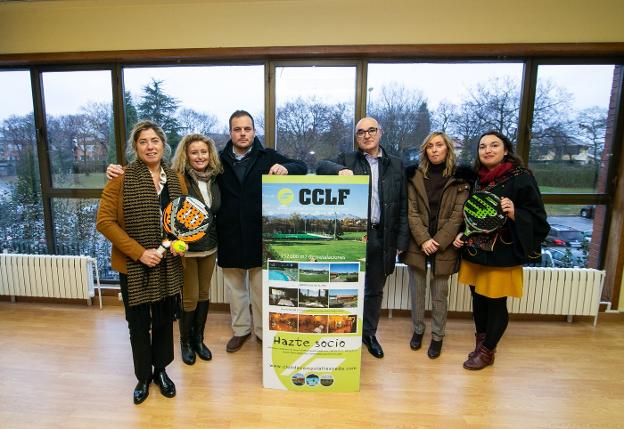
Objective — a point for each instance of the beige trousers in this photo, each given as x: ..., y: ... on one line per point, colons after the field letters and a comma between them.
x: 245, y: 287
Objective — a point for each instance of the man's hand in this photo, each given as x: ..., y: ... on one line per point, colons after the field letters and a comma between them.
x: 113, y: 170
x: 345, y: 172
x: 458, y: 242
x: 278, y: 170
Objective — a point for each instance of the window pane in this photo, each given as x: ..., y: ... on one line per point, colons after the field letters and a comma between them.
x: 575, y: 237
x: 74, y: 228
x: 194, y: 99
x: 21, y: 223
x: 570, y: 127
x: 79, y: 120
x: 462, y: 100
x: 314, y: 112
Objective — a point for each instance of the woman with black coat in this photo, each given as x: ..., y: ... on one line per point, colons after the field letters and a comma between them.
x: 492, y: 263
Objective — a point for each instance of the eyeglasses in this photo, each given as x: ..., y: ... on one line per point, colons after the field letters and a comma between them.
x: 372, y: 131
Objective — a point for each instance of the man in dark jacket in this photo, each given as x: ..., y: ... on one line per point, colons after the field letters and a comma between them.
x: 387, y: 216
x: 239, y: 222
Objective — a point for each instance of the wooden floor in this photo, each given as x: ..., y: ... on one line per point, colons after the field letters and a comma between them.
x: 69, y: 366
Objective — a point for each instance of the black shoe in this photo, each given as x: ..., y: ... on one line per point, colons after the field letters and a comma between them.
x: 167, y: 388
x: 141, y: 392
x: 416, y: 341
x: 435, y: 348
x: 373, y: 346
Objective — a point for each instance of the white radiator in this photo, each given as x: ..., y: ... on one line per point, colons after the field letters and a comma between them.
x: 50, y: 276
x: 553, y: 291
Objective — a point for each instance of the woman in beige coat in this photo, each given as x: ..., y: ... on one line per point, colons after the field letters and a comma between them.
x: 436, y: 191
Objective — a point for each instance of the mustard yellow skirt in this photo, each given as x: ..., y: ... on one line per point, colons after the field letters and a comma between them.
x: 493, y: 282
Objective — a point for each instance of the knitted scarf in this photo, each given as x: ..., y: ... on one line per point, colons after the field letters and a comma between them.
x: 142, y: 215
x: 205, y: 176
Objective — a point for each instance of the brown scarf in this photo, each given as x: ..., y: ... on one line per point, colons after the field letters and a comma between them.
x: 204, y: 176
x: 142, y: 214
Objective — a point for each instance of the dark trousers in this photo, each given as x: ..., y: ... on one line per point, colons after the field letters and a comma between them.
x: 374, y: 282
x: 149, y: 349
x: 490, y: 316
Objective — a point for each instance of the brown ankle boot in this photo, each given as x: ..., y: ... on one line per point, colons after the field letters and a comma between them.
x: 479, y: 339
x: 482, y: 358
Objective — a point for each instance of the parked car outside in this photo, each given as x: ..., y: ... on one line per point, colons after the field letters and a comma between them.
x: 563, y: 235
x: 587, y: 212
x: 564, y: 257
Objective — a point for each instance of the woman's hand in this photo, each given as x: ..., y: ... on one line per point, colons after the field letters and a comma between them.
x: 508, y: 208
x: 113, y: 170
x: 430, y: 247
x: 151, y: 257
x: 458, y: 242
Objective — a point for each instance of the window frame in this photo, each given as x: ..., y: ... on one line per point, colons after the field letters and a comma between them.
x: 531, y: 55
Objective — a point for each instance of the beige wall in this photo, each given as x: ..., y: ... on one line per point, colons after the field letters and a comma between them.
x: 91, y: 25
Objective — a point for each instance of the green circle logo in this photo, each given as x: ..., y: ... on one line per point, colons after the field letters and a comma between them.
x: 285, y: 196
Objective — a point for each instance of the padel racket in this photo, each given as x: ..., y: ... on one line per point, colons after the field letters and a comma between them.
x: 185, y: 218
x: 483, y: 213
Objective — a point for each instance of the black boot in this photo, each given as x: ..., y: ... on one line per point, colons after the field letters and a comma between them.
x: 186, y: 324
x: 197, y: 340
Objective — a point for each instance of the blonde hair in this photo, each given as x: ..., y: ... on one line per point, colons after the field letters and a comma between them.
x: 424, y: 164
x: 180, y: 158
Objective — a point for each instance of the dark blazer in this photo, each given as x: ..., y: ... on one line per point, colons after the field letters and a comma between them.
x: 239, y: 220
x: 209, y: 241
x: 392, y: 198
x: 450, y: 220
x: 520, y: 241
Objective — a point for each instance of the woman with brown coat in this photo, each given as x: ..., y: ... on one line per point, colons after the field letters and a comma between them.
x: 436, y: 191
x: 129, y: 216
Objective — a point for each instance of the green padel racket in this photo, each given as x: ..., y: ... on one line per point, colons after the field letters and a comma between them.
x: 483, y: 213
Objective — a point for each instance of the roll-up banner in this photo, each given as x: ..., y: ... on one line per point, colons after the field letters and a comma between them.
x: 314, y: 257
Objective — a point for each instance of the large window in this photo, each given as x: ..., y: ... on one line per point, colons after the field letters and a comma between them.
x: 463, y: 100
x: 314, y: 112
x: 78, y: 106
x: 569, y: 152
x: 21, y: 222
x: 562, y: 114
x: 194, y: 99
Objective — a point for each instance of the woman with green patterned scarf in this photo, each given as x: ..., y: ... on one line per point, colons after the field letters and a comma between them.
x: 130, y: 218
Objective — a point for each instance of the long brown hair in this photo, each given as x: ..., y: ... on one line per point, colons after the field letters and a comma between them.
x: 424, y: 163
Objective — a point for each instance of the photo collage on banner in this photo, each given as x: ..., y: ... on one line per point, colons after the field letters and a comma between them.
x: 314, y: 249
